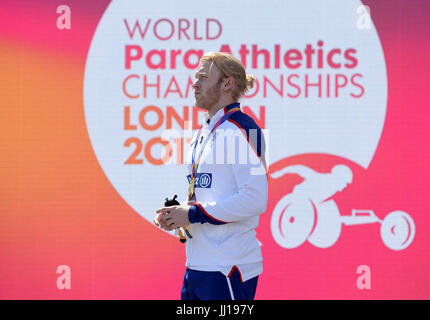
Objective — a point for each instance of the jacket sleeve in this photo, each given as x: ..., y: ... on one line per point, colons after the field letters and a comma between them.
x: 249, y: 200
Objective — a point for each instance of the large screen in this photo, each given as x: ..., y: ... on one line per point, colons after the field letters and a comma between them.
x: 97, y: 116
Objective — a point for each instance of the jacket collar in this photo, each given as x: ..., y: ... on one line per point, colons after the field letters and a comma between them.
x: 218, y: 115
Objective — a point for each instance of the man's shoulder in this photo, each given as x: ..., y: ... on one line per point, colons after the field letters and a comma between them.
x: 252, y: 132
x: 243, y: 121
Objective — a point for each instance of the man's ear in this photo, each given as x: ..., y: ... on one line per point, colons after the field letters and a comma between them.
x: 228, y: 83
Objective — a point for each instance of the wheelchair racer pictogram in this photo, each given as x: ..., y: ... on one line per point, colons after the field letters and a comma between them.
x: 309, y: 213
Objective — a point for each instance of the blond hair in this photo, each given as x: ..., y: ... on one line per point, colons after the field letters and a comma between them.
x: 230, y: 66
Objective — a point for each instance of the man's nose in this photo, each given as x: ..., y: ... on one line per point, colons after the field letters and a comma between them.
x: 195, y: 84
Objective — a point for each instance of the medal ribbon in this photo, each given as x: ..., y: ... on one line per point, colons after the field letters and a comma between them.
x: 195, y: 164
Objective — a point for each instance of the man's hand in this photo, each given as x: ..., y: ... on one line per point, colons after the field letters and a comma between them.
x: 173, y: 217
x: 158, y: 220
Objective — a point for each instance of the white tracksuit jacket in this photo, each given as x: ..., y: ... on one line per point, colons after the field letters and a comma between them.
x: 231, y: 192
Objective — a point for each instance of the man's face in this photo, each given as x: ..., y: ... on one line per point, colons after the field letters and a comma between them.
x: 207, y: 88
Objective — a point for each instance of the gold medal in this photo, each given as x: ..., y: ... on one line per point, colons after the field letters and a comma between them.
x: 191, y: 188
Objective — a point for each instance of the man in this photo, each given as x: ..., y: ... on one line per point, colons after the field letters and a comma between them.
x: 225, y: 196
